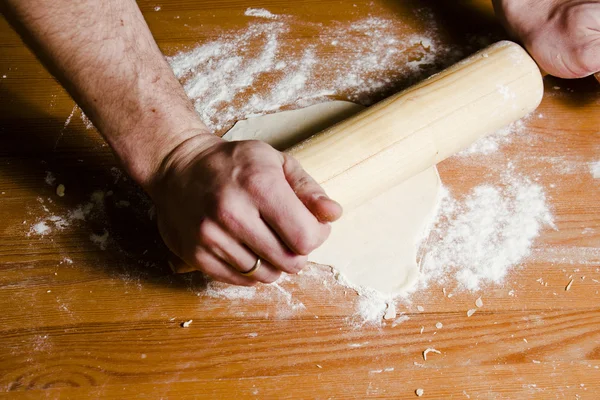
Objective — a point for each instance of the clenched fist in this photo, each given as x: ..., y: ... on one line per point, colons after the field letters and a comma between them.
x: 221, y: 205
x: 563, y: 36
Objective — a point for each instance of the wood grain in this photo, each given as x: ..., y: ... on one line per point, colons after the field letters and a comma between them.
x: 82, y: 322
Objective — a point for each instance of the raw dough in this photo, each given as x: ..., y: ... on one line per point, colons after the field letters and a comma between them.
x: 374, y: 245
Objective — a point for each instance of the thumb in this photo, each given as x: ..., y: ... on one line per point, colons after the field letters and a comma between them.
x: 310, y: 193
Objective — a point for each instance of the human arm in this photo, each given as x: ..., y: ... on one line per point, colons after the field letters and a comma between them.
x: 213, y: 198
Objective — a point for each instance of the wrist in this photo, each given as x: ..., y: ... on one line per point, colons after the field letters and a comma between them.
x: 193, y: 143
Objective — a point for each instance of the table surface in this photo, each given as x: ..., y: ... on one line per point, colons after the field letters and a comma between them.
x: 88, y: 317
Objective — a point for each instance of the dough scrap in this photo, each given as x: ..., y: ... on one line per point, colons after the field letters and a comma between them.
x: 374, y: 245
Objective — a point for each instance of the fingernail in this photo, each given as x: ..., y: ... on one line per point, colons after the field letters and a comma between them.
x: 325, y: 197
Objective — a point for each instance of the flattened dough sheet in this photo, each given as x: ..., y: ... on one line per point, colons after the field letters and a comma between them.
x: 374, y: 245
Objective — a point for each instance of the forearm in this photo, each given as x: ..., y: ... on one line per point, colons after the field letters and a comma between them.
x: 105, y: 55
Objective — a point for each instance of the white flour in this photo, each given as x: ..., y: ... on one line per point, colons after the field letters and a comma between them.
x: 260, y: 13
x: 492, y: 143
x: 595, y: 169
x: 232, y: 78
x: 217, y: 290
x: 49, y: 221
x: 275, y: 296
x: 482, y: 237
x: 40, y: 228
x: 50, y: 178
x: 100, y: 240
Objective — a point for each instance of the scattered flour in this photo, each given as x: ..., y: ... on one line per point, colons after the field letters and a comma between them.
x: 492, y: 143
x: 480, y: 239
x: 595, y: 169
x: 260, y: 13
x: 274, y: 294
x: 255, y: 71
x: 70, y: 117
x: 58, y: 221
x: 371, y: 309
x: 573, y: 255
x: 218, y: 290
x: 50, y: 178
x: 399, y: 320
x: 93, y: 209
x: 40, y: 228
x: 66, y: 260
x: 43, y: 226
x: 100, y: 240
x: 86, y: 121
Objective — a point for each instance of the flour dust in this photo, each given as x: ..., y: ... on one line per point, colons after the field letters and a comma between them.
x: 481, y: 238
x: 233, y: 78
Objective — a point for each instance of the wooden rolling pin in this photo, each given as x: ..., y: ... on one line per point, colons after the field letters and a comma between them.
x: 411, y: 131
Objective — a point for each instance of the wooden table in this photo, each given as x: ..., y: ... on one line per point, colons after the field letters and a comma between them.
x: 85, y: 317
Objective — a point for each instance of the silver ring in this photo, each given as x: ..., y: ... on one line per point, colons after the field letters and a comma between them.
x: 253, y: 270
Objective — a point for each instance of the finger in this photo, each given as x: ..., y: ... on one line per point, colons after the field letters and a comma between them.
x: 212, y: 267
x: 250, y: 229
x: 295, y: 225
x: 217, y: 269
x: 310, y: 192
x: 265, y: 243
x: 265, y: 273
x: 238, y: 256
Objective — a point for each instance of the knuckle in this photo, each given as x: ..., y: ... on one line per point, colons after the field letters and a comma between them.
x: 202, y: 262
x: 302, y: 181
x: 290, y: 162
x: 586, y: 61
x: 294, y: 265
x: 258, y: 183
x: 304, y: 242
x: 206, y: 232
x: 299, y: 264
x: 270, y: 278
x: 225, y: 212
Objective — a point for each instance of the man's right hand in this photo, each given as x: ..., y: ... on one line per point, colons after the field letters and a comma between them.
x: 221, y: 205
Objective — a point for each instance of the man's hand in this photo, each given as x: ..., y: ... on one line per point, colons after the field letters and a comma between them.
x: 220, y: 205
x: 563, y: 36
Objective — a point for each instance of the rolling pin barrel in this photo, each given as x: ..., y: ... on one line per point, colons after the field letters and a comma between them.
x: 413, y: 130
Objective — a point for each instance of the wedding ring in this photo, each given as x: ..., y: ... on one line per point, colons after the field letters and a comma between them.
x: 253, y: 270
